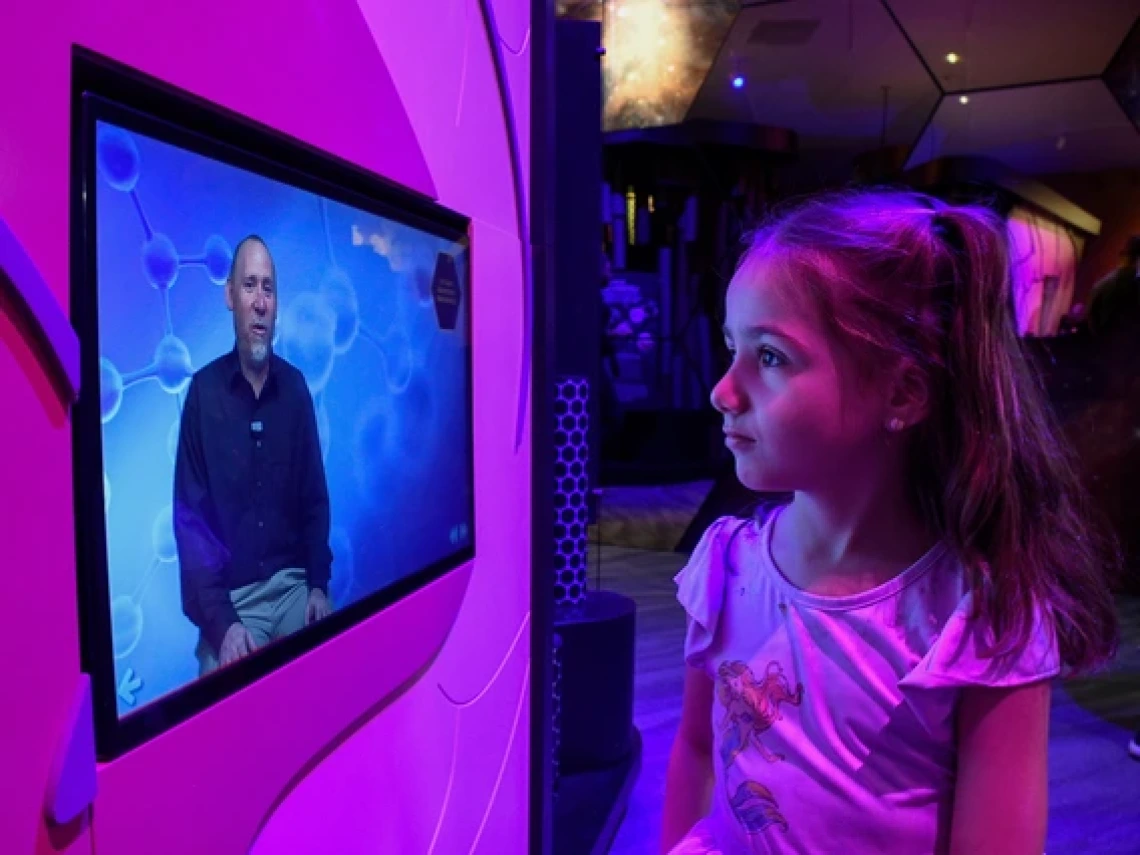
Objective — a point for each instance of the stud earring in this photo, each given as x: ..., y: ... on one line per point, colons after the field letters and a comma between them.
x: 895, y: 425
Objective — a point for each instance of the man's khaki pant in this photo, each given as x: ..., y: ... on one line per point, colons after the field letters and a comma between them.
x: 270, y: 610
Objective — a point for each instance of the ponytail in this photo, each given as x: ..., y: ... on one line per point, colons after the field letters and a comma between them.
x: 1010, y: 497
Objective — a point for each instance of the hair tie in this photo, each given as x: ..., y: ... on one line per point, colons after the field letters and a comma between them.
x: 947, y: 231
x: 946, y: 266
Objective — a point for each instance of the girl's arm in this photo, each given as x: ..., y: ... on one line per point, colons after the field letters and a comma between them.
x: 1001, y: 799
x: 689, y: 781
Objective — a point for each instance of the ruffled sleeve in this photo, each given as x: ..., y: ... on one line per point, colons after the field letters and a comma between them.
x: 961, y: 655
x: 700, y: 588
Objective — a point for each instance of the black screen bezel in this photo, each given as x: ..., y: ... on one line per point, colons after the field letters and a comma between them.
x: 105, y: 90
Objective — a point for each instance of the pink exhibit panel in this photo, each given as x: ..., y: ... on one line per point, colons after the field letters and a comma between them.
x: 265, y: 359
x: 1045, y: 255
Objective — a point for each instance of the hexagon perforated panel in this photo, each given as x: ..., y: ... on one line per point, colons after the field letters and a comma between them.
x: 571, y: 487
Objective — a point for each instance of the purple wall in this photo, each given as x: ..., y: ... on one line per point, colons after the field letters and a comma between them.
x: 384, y: 757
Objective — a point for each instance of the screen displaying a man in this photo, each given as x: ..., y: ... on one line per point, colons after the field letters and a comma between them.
x: 251, y: 501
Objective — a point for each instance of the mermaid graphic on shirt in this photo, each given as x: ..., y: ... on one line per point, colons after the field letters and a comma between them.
x: 751, y: 707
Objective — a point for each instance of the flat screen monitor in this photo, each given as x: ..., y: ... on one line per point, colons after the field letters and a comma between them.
x: 273, y: 439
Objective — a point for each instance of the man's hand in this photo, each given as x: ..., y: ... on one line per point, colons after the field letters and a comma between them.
x: 318, y: 608
x: 237, y: 643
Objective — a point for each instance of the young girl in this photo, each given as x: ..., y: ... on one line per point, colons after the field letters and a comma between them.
x: 869, y: 664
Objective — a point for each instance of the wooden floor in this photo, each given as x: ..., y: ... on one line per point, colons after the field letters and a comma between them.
x: 648, y: 517
x: 1094, y: 785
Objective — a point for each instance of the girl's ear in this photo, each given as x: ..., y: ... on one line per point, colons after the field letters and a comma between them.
x: 910, y: 398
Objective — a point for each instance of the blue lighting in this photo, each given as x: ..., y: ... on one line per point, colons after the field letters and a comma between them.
x: 738, y: 82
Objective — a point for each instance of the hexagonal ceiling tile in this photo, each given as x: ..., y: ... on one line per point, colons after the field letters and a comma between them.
x: 1014, y: 41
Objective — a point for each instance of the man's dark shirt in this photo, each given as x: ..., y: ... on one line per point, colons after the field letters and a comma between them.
x: 250, y: 496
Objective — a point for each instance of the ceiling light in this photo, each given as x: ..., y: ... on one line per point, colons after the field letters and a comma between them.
x: 965, y: 99
x: 953, y: 58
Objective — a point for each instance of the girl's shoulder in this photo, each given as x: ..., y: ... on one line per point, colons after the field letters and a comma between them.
x: 965, y: 652
x: 728, y: 546
x: 723, y: 534
x: 724, y: 541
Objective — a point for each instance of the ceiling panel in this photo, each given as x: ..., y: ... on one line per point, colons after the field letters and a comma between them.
x: 819, y: 67
x: 1004, y: 42
x: 850, y: 76
x: 1068, y: 127
x: 1122, y: 77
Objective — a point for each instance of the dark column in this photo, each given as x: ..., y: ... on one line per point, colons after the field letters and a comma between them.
x: 577, y: 238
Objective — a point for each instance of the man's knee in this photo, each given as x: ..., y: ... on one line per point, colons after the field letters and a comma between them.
x: 291, y: 601
x: 294, y: 605
x: 207, y: 658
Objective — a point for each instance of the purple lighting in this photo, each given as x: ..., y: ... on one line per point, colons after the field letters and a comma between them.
x: 738, y: 82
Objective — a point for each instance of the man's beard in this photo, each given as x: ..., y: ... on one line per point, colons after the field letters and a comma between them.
x: 258, y: 353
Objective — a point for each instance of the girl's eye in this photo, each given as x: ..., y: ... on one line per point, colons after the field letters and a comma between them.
x: 771, y: 358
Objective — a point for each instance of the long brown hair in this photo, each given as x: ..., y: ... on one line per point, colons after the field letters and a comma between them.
x: 899, y: 275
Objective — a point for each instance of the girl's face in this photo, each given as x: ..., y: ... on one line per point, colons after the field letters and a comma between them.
x: 793, y: 416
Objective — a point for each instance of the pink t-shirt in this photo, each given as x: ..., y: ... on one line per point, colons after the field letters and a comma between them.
x: 833, y: 717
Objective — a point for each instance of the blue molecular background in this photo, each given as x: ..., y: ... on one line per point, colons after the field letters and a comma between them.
x: 355, y: 314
